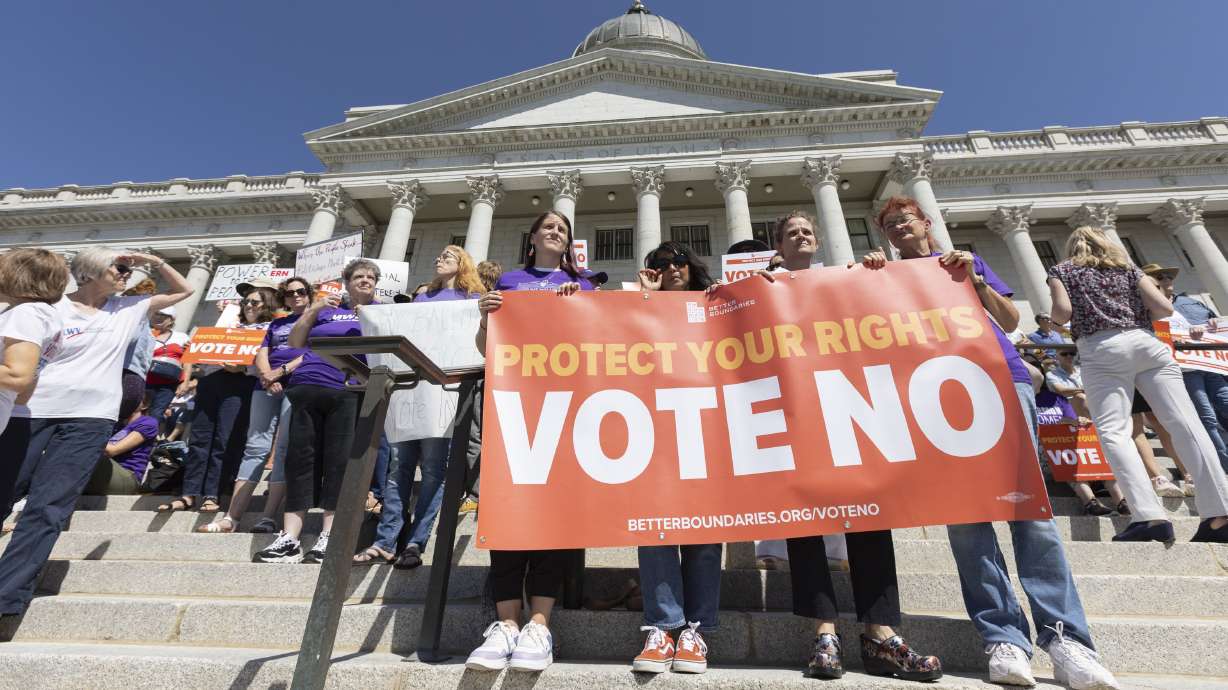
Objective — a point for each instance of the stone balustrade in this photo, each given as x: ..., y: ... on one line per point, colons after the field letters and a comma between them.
x: 125, y: 190
x: 1206, y: 130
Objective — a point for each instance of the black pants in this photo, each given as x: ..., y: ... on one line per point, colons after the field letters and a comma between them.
x: 134, y: 393
x: 321, y: 434
x: 536, y: 573
x: 219, y: 433
x: 876, y: 595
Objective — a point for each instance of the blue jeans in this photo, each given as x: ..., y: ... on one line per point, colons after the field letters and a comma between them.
x: 268, y: 422
x: 379, y: 476
x: 162, y: 394
x: 681, y: 584
x: 430, y: 454
x: 1210, y: 395
x: 1043, y: 571
x: 49, y: 461
x: 219, y: 433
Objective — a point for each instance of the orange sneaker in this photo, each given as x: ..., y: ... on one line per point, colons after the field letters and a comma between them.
x: 658, y: 654
x: 692, y: 654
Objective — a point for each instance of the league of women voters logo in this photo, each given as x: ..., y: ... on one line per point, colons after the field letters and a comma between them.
x: 822, y: 395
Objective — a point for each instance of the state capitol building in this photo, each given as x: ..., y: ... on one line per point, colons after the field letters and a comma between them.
x: 639, y: 137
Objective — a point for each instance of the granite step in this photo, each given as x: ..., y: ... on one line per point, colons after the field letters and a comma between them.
x: 753, y: 590
x: 54, y: 666
x: 775, y: 639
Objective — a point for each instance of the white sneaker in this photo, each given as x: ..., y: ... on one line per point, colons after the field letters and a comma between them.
x: 1077, y: 666
x: 1165, y: 488
x: 1009, y: 664
x: 534, y: 649
x: 496, y: 651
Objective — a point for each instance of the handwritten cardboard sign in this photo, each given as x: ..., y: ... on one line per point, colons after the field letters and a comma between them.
x: 325, y: 260
x: 225, y: 278
x: 393, y: 278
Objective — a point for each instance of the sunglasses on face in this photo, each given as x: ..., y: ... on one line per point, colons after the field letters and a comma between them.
x: 660, y: 264
x: 297, y: 292
x: 892, y: 223
x: 122, y: 269
x: 250, y: 303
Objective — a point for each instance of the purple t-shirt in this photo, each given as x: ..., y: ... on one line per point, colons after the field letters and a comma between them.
x: 537, y: 279
x: 315, y: 371
x: 1051, y: 408
x: 136, y: 459
x: 1019, y: 370
x: 277, y: 339
x: 444, y: 295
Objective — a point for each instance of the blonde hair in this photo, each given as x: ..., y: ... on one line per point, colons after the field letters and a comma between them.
x: 467, y: 279
x: 1090, y: 247
x: 34, y: 275
x: 778, y: 230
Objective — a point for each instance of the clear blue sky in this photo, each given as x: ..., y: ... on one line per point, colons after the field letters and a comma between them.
x: 96, y: 92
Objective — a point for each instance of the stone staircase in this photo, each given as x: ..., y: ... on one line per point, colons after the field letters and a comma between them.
x: 135, y: 599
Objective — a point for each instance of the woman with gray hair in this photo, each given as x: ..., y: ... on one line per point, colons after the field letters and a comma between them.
x: 58, y: 435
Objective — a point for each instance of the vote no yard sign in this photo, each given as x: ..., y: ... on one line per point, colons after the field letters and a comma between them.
x: 223, y: 346
x: 1074, y: 453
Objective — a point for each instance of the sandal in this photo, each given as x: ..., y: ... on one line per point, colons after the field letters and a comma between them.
x: 176, y: 505
x: 215, y: 527
x: 373, y: 554
x: 209, y: 505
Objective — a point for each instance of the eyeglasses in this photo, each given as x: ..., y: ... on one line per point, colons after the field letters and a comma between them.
x: 890, y: 224
x: 250, y: 303
x: 298, y: 292
x: 445, y: 257
x: 661, y: 263
x: 122, y: 269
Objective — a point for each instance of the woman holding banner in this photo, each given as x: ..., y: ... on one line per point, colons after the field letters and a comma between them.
x: 681, y: 584
x: 322, y: 416
x: 539, y: 574
x: 1040, y: 558
x: 456, y: 278
x: 1111, y: 304
x: 268, y: 407
x: 223, y: 412
x: 871, y: 555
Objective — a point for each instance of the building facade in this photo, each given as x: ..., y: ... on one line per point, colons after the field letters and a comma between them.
x: 638, y: 138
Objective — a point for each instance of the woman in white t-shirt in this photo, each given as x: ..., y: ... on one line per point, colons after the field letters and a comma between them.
x: 32, y: 280
x: 60, y: 432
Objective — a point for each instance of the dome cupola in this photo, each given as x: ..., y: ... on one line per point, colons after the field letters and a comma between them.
x: 639, y: 29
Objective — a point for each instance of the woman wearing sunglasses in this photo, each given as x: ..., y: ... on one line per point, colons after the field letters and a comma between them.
x: 269, y: 408
x: 681, y: 584
x: 219, y: 429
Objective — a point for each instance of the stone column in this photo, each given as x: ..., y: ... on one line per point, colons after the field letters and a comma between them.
x: 1011, y: 224
x: 205, y: 258
x: 913, y: 172
x: 407, y: 198
x: 565, y: 187
x: 329, y: 201
x: 649, y: 183
x: 732, y: 179
x: 821, y: 176
x: 486, y: 192
x: 1103, y: 216
x: 141, y: 271
x: 1183, y: 218
x: 268, y: 253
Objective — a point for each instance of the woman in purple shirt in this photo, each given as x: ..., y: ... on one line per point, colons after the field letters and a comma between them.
x: 537, y: 573
x: 322, y: 417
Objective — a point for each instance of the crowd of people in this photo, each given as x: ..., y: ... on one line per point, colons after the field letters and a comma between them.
x: 93, y: 386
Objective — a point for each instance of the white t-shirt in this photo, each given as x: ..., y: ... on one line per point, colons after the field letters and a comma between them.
x: 33, y: 322
x: 83, y: 375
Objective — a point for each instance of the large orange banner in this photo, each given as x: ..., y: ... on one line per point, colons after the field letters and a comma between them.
x: 832, y: 400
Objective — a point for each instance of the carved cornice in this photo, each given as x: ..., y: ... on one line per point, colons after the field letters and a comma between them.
x: 732, y: 175
x: 206, y: 256
x: 485, y: 189
x: 146, y: 267
x: 1175, y: 213
x: 1006, y: 220
x: 408, y: 194
x: 269, y: 253
x: 909, y: 166
x: 155, y: 210
x: 820, y: 170
x: 565, y: 184
x: 650, y: 180
x: 1103, y: 216
x: 330, y: 198
x: 1069, y: 166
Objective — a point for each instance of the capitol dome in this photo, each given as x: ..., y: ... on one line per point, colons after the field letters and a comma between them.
x: 640, y: 29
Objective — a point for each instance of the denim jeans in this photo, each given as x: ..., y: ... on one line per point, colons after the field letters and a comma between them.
x: 1209, y: 391
x: 219, y: 433
x: 1043, y: 571
x: 49, y: 461
x: 681, y: 584
x: 268, y: 424
x: 379, y: 476
x: 430, y: 454
x: 162, y: 396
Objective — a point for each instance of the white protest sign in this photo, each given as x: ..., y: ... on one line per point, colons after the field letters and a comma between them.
x: 735, y: 267
x: 630, y: 287
x: 393, y: 278
x: 444, y: 332
x: 279, y: 274
x: 225, y: 278
x: 325, y: 260
x: 579, y: 251
x: 229, y: 316
x: 1214, y: 361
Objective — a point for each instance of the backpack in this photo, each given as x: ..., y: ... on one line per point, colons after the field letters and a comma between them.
x: 165, y: 472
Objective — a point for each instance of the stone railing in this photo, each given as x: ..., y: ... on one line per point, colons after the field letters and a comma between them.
x: 178, y: 187
x: 1207, y: 130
